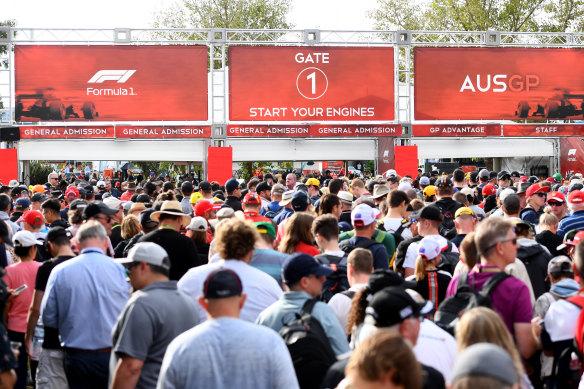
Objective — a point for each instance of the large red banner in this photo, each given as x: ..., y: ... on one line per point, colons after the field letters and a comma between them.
x: 311, y: 83
x: 571, y: 155
x: 111, y: 83
x: 314, y: 131
x: 498, y: 83
x: 456, y: 130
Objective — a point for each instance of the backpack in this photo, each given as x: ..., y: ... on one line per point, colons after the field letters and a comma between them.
x: 567, y: 365
x: 336, y: 282
x: 448, y: 259
x: 466, y: 298
x: 347, y: 247
x: 447, y: 228
x: 309, y: 347
x: 271, y: 214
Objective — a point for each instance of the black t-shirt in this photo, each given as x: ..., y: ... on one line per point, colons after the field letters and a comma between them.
x: 51, y: 340
x: 234, y: 203
x: 116, y: 235
x: 182, y: 252
x: 439, y: 283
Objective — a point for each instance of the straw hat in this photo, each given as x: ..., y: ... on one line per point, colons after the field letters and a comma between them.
x: 171, y: 207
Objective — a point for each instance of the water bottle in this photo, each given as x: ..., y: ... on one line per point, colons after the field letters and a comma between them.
x: 37, y: 342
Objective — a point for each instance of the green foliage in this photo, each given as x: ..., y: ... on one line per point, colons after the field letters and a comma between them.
x: 39, y: 172
x: 480, y: 15
x: 240, y: 14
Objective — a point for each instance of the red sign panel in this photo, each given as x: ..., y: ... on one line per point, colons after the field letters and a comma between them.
x: 406, y: 160
x: 543, y: 129
x: 571, y: 155
x: 220, y: 164
x: 147, y: 132
x: 111, y: 83
x: 456, y: 130
x: 314, y: 131
x: 311, y: 83
x: 498, y: 83
x: 8, y: 165
x: 59, y: 132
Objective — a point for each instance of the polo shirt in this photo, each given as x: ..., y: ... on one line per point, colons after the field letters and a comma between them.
x: 573, y: 222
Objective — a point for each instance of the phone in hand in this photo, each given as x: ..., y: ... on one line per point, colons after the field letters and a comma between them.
x: 19, y: 289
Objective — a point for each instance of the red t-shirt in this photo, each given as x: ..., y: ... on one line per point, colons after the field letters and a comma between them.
x: 256, y: 217
x: 307, y: 249
x: 17, y: 275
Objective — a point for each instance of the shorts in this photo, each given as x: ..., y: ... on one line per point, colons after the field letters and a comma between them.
x: 50, y: 373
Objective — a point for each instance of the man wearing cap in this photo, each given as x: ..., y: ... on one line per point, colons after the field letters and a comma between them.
x: 313, y: 189
x: 235, y: 242
x: 251, y: 207
x: 33, y: 222
x: 504, y: 179
x: 181, y: 250
x: 274, y: 207
x: 429, y: 194
x: 50, y: 371
x: 484, y: 177
x: 465, y: 222
x: 142, y: 332
x: 5, y: 208
x: 75, y: 303
x: 488, y: 361
x: 207, y: 211
x: 206, y: 190
x: 535, y: 199
x: 557, y: 201
x: 380, y: 193
x: 576, y: 220
x: 265, y: 257
x: 287, y: 210
x: 97, y: 210
x: 130, y: 190
x: 233, y: 194
x: 303, y: 277
x: 21, y: 205
x: 243, y: 355
x: 346, y: 200
x: 187, y: 190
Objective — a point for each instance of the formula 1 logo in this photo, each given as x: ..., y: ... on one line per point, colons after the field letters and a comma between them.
x: 571, y: 152
x: 120, y: 76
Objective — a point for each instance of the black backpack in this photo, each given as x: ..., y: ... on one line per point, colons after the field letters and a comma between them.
x: 309, y: 347
x: 448, y: 259
x: 271, y: 214
x: 347, y: 246
x: 466, y: 298
x: 336, y: 282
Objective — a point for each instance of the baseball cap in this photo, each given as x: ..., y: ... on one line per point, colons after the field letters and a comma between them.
x: 556, y: 196
x: 484, y: 173
x: 571, y: 238
x: 424, y: 180
x: 390, y: 173
x: 100, y: 184
x: 203, y: 206
x: 345, y: 196
x: 393, y: 304
x: 77, y: 204
x: 72, y: 192
x: 113, y: 202
x: 537, y: 188
x: 57, y: 232
x: 522, y: 187
x: 443, y: 182
x: 380, y: 191
x: 286, y: 197
x: 560, y: 264
x: 313, y: 181
x: 231, y: 185
x: 278, y: 189
x: 489, y: 190
x: 429, y: 212
x: 13, y: 183
x: 266, y: 228
x: 196, y: 196
x: 502, y: 174
x: 198, y: 223
x: 429, y: 248
x: 505, y: 192
x: 300, y: 265
x: 95, y: 208
x: 148, y: 252
x: 25, y: 239
x: 485, y: 360
x: 5, y: 233
x: 22, y: 203
x: 300, y: 201
x: 225, y: 213
x: 38, y: 197
x: 38, y: 189
x: 363, y: 215
x: 429, y: 191
x: 252, y: 198
x: 467, y: 191
x: 463, y: 211
x: 222, y: 283
x: 382, y: 278
x: 33, y: 217
x: 145, y: 218
x: 558, y: 177
x: 576, y: 197
x: 515, y: 174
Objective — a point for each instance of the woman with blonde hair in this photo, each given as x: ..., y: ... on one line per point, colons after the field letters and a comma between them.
x: 298, y: 236
x: 130, y: 227
x: 548, y: 229
x: 483, y: 325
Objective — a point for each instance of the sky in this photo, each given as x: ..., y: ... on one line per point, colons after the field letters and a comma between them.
x: 321, y: 14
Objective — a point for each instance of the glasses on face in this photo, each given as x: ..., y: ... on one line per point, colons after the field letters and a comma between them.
x: 129, y: 267
x: 53, y: 178
x: 554, y: 204
x: 514, y: 240
x: 540, y: 194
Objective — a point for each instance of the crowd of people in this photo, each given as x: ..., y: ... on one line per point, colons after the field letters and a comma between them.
x: 283, y: 281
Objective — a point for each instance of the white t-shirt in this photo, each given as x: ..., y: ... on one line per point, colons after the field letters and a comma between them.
x: 436, y: 348
x: 341, y: 305
x: 262, y: 290
x: 392, y: 224
x: 560, y: 320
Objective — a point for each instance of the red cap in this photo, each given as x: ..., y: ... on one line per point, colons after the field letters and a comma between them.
x: 556, y: 196
x: 576, y: 197
x: 204, y: 206
x: 489, y: 190
x: 32, y: 217
x: 536, y: 188
x: 523, y: 179
x: 578, y: 237
x: 72, y: 192
x: 252, y: 198
x: 551, y: 179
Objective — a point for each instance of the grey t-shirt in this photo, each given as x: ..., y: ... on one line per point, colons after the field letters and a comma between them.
x: 151, y: 319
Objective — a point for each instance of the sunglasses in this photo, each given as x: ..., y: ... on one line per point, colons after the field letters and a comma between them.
x: 541, y: 194
x: 555, y: 204
x: 129, y: 267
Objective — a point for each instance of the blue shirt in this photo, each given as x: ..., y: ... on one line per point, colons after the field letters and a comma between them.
x: 227, y: 353
x: 292, y: 302
x: 573, y: 222
x: 285, y: 214
x: 83, y: 299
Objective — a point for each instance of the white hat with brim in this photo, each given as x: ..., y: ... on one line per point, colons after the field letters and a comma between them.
x: 286, y: 198
x: 171, y: 207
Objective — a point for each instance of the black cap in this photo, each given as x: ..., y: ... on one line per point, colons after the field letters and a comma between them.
x: 5, y: 233
x: 300, y: 265
x: 77, y: 204
x: 300, y: 201
x: 515, y: 174
x: 219, y: 194
x: 492, y: 174
x: 474, y: 176
x: 146, y: 219
x: 95, y: 208
x: 502, y: 174
x: 393, y: 305
x: 443, y: 182
x: 429, y: 212
x: 57, y: 232
x: 222, y: 283
x: 39, y: 197
x: 533, y: 180
x: 575, y: 186
x: 143, y: 198
x: 382, y: 278
x: 231, y: 185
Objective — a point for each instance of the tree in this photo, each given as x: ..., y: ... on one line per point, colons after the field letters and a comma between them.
x: 240, y: 14
x: 480, y: 15
x: 4, y: 49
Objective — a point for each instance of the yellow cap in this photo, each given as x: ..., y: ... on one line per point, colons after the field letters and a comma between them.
x: 429, y: 191
x: 196, y: 197
x: 312, y: 181
x: 463, y: 211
